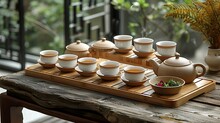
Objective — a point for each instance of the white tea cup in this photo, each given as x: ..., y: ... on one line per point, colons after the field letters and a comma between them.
x: 123, y: 41
x: 134, y: 73
x: 67, y: 60
x: 109, y: 68
x: 143, y: 44
x: 166, y: 48
x: 87, y: 64
x: 49, y: 56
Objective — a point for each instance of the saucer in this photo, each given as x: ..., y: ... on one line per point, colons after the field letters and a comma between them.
x: 45, y: 65
x: 132, y: 83
x: 107, y: 78
x: 143, y: 54
x: 62, y: 69
x: 122, y: 51
x: 162, y: 58
x: 82, y: 73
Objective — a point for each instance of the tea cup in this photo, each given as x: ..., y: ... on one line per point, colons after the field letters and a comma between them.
x: 49, y: 56
x: 87, y: 64
x: 143, y: 44
x: 166, y: 48
x: 134, y: 73
x: 123, y: 41
x: 109, y: 68
x: 67, y: 60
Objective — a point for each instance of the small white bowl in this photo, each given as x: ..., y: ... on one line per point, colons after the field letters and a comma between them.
x: 87, y: 64
x: 107, y: 78
x: 123, y: 41
x: 84, y: 73
x: 132, y: 83
x: 166, y: 48
x: 109, y: 68
x: 49, y: 56
x: 143, y: 44
x: 134, y: 73
x: 67, y: 60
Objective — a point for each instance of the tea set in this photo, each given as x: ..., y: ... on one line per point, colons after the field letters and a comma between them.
x: 79, y: 57
x: 87, y: 66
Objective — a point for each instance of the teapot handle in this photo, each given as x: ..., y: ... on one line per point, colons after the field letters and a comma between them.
x: 203, y: 69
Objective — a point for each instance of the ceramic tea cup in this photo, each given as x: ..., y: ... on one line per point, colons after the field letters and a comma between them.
x: 67, y: 60
x: 109, y: 68
x: 143, y: 44
x: 166, y: 48
x: 48, y: 56
x: 134, y: 73
x: 123, y: 41
x: 87, y: 64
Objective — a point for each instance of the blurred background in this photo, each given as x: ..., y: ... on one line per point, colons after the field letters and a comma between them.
x: 29, y: 26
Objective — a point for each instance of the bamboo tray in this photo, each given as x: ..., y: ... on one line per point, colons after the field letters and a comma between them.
x: 128, y: 58
x: 142, y: 93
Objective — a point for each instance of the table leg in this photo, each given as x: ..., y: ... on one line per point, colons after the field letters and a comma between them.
x: 10, y: 112
x: 16, y: 115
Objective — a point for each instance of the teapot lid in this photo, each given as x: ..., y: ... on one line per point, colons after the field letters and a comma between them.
x: 77, y: 46
x: 177, y: 61
x: 103, y: 44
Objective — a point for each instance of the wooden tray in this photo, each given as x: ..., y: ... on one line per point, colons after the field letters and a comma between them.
x: 142, y: 93
x: 128, y: 58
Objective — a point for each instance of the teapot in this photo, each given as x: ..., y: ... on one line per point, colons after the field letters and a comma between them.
x: 99, y: 48
x: 78, y: 48
x: 179, y: 67
x: 103, y: 45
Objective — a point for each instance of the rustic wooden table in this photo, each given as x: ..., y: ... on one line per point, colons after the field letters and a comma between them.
x: 80, y: 105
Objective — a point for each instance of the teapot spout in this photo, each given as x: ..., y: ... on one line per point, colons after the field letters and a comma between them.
x: 155, y: 65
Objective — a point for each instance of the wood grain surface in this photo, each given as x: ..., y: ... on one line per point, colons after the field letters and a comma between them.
x: 114, y: 109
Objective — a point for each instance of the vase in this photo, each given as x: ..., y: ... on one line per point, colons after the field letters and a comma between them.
x: 213, y: 59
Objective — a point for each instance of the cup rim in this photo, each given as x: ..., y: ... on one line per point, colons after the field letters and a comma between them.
x: 70, y: 57
x: 80, y: 60
x: 166, y: 44
x: 142, y: 70
x: 143, y: 41
x: 125, y: 37
x: 116, y: 64
x: 43, y: 53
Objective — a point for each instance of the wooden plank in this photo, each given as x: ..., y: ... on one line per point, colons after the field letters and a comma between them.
x: 136, y: 89
x: 129, y: 58
x: 213, y: 75
x: 119, y: 88
x: 146, y: 88
x: 212, y: 97
x: 110, y: 83
x: 114, y: 109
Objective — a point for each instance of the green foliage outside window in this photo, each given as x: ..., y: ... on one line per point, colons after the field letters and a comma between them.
x: 147, y: 16
x: 44, y: 25
x: 5, y: 13
x: 45, y: 28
